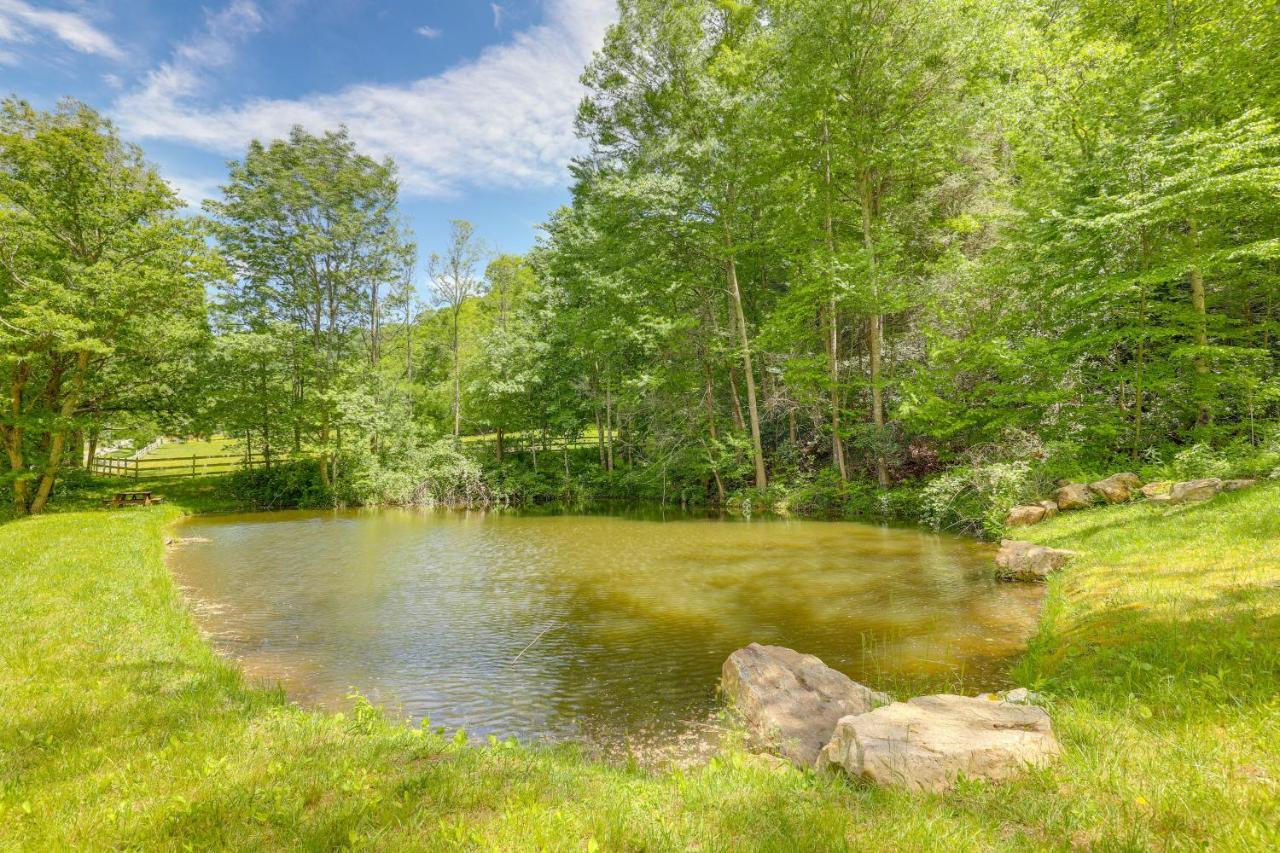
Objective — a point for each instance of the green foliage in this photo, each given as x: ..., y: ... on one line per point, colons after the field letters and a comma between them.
x: 284, y: 485
x: 434, y: 474
x: 975, y: 497
x: 101, y: 290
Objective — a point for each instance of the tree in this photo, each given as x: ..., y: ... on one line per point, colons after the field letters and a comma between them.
x: 96, y: 271
x: 454, y: 280
x: 310, y: 227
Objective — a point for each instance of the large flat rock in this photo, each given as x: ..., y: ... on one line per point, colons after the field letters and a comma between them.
x: 1192, y: 491
x: 927, y: 743
x: 790, y: 702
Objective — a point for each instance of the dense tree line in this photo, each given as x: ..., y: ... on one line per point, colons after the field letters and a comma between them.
x: 849, y: 243
x: 869, y: 234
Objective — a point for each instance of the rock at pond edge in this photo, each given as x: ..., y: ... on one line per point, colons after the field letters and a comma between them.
x: 927, y: 743
x: 1027, y: 561
x: 790, y: 702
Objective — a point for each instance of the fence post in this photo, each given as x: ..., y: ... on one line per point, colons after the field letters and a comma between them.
x: 135, y: 470
x: 193, y: 465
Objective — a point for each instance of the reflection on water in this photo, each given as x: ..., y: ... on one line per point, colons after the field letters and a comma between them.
x: 542, y: 625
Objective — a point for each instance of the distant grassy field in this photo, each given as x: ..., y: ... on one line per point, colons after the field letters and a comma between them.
x: 198, y: 447
x: 120, y: 728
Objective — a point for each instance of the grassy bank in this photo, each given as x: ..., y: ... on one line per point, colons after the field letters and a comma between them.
x: 120, y: 728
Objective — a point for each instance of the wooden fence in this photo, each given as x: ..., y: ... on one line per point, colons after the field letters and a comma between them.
x: 177, y: 466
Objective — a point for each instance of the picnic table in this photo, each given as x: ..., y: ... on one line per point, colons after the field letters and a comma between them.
x: 134, y: 499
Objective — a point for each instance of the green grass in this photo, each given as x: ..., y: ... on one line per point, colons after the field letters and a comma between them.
x: 197, y: 447
x: 120, y: 728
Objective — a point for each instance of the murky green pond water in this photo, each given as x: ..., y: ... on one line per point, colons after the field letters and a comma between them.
x: 576, y: 625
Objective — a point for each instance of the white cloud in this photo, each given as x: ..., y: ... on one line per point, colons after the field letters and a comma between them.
x: 19, y: 20
x: 503, y: 119
x: 428, y: 32
x: 194, y: 190
x: 498, y: 12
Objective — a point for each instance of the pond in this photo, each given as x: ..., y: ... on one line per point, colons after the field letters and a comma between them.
x: 595, y: 627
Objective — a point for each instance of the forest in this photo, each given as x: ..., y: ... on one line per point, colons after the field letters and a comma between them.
x: 866, y: 258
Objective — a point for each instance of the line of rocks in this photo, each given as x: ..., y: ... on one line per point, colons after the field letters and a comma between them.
x: 795, y: 706
x: 1117, y: 489
x: 1018, y: 560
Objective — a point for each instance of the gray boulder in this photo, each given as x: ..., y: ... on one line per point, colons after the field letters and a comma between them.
x: 790, y: 702
x: 1026, y: 561
x: 1194, y: 490
x: 927, y: 743
x: 1237, y: 485
x: 1073, y: 496
x: 1050, y: 509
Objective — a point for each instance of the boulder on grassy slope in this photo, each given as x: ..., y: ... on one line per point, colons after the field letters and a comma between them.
x: 1237, y: 485
x: 1157, y: 491
x: 1116, y: 489
x: 1194, y: 490
x: 790, y: 702
x: 1073, y: 496
x: 1024, y: 516
x: 927, y: 743
x: 1050, y: 509
x: 1026, y: 561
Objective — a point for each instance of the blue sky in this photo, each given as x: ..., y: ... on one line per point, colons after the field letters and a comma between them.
x: 474, y: 99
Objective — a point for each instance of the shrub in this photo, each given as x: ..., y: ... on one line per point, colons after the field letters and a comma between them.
x: 430, y: 475
x: 284, y: 484
x: 975, y: 497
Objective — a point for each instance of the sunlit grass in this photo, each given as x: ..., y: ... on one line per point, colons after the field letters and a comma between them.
x: 217, y: 446
x: 120, y: 728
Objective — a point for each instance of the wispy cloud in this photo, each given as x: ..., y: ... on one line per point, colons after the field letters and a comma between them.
x: 428, y: 32
x: 503, y: 119
x: 20, y: 22
x: 194, y: 190
x: 498, y: 13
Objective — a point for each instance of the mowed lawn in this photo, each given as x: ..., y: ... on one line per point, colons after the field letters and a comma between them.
x: 120, y: 728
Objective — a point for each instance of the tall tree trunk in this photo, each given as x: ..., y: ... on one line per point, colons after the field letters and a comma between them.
x: 608, y: 420
x: 1139, y: 377
x: 14, y: 434
x: 739, y: 420
x: 498, y: 443
x: 91, y: 454
x: 59, y: 436
x: 408, y: 341
x: 1204, y: 415
x: 731, y: 270
x: 457, y: 383
x: 875, y: 331
x: 833, y: 314
x: 599, y: 434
